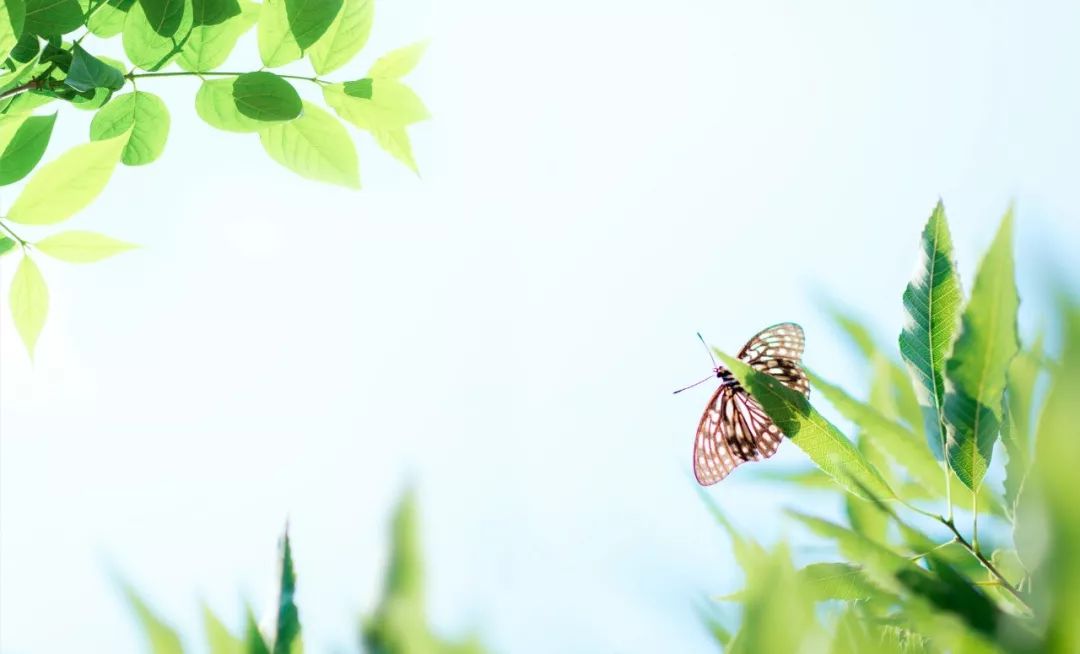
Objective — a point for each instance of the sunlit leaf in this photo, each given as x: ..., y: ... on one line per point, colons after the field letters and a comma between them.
x: 808, y: 429
x: 218, y: 637
x: 81, y: 247
x: 209, y: 46
x: 29, y: 300
x: 215, y: 104
x: 396, y: 142
x: 52, y: 17
x: 391, y: 104
x: 345, y: 37
x: 838, y: 581
x: 398, y: 63
x: 315, y: 146
x: 879, y: 563
x: 145, y: 47
x: 977, y: 368
x: 12, y: 21
x: 277, y: 45
x: 108, y: 19
x: 22, y: 143
x: 265, y: 97
x: 143, y: 117
x: 850, y: 636
x: 932, y: 307
x: 160, y: 637
x: 764, y: 608
x: 59, y: 189
x: 309, y: 20
x: 1016, y: 430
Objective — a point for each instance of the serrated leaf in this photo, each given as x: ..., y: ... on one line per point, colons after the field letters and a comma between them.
x: 22, y: 143
x: 838, y: 581
x: 52, y: 17
x: 345, y: 37
x: 879, y: 563
x: 315, y: 146
x: 12, y: 20
x: 108, y: 19
x: 277, y: 45
x: 309, y: 19
x: 88, y: 72
x: 808, y: 429
x: 61, y: 188
x: 81, y: 247
x: 143, y: 117
x: 218, y: 637
x: 145, y: 47
x: 161, y: 638
x: 391, y: 104
x: 214, y: 103
x: 29, y: 300
x: 979, y: 363
x: 397, y: 143
x: 932, y: 311
x: 265, y: 96
x: 209, y: 46
x: 398, y: 63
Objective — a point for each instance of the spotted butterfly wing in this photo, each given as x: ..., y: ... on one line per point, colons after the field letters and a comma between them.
x: 734, y: 428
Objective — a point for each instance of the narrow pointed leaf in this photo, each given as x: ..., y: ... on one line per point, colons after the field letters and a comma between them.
x: 81, y: 247
x: 160, y: 637
x: 287, y: 622
x: 399, y: 63
x: 29, y: 300
x: 218, y: 637
x: 254, y: 643
x: 932, y: 306
x: 821, y: 440
x: 1024, y: 374
x: 396, y: 142
x: 838, y: 581
x: 980, y: 360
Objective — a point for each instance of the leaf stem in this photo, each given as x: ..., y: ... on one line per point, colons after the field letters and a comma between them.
x: 974, y: 550
x: 15, y: 236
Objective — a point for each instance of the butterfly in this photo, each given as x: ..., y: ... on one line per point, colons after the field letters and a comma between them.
x: 734, y: 428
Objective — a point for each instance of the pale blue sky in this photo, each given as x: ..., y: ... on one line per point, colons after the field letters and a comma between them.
x: 601, y: 180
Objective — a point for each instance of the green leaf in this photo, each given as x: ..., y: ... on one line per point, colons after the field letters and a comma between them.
x: 12, y: 20
x: 277, y: 45
x: 287, y: 622
x: 87, y: 72
x: 220, y: 640
x: 804, y: 426
x: 213, y: 12
x: 108, y: 20
x: 164, y: 16
x: 29, y: 300
x: 214, y: 103
x: 391, y: 104
x: 396, y: 142
x: 1024, y: 374
x: 977, y: 369
x: 765, y: 608
x: 948, y: 590
x: 309, y: 19
x: 81, y: 247
x: 253, y: 638
x: 315, y: 146
x: 398, y: 63
x: 161, y: 638
x: 22, y: 143
x: 811, y: 478
x: 266, y: 97
x: 932, y: 306
x: 6, y: 245
x: 209, y: 45
x: 145, y: 47
x: 850, y: 635
x: 52, y: 17
x: 62, y: 187
x: 345, y: 37
x: 26, y: 50
x: 838, y: 581
x: 140, y: 115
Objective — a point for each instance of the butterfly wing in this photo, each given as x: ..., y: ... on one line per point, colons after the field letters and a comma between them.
x: 776, y: 350
x: 714, y: 458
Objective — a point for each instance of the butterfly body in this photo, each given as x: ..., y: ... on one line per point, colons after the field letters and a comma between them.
x: 734, y: 428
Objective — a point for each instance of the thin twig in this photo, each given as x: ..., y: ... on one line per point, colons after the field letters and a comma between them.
x: 984, y: 561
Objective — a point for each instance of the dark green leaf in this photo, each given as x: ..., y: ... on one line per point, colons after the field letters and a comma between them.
x: 932, y: 304
x: 52, y: 17
x: 265, y: 96
x: 253, y: 638
x: 214, y: 12
x: 14, y: 16
x: 6, y: 244
x: 26, y: 49
x: 950, y: 591
x: 359, y: 89
x: 164, y: 16
x: 287, y: 622
x: 87, y: 72
x: 145, y: 47
x: 309, y: 19
x: 25, y: 148
x: 977, y: 368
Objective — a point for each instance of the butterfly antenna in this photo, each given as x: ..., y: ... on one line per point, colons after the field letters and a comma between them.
x: 684, y: 388
x: 703, y: 343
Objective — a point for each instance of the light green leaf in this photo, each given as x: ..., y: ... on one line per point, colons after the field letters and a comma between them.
x: 345, y: 37
x: 62, y: 187
x: 12, y: 19
x: 214, y: 103
x: 265, y: 96
x: 764, y: 609
x: 143, y: 117
x: 838, y: 581
x: 81, y: 247
x: 29, y: 300
x: 1016, y: 430
x: 977, y: 369
x: 161, y: 638
x: 879, y: 563
x: 220, y: 640
x: 399, y: 63
x: 108, y: 20
x: 52, y: 17
x: 804, y: 426
x: 396, y: 142
x: 309, y: 19
x: 391, y: 104
x: 23, y: 140
x: 6, y: 245
x: 932, y: 305
x: 315, y: 146
x: 277, y: 45
x: 209, y: 45
x: 850, y: 636
x: 88, y: 72
x: 148, y: 49
x: 287, y: 619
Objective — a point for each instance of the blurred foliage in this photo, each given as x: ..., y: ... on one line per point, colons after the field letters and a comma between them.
x: 942, y: 548
x: 397, y: 626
